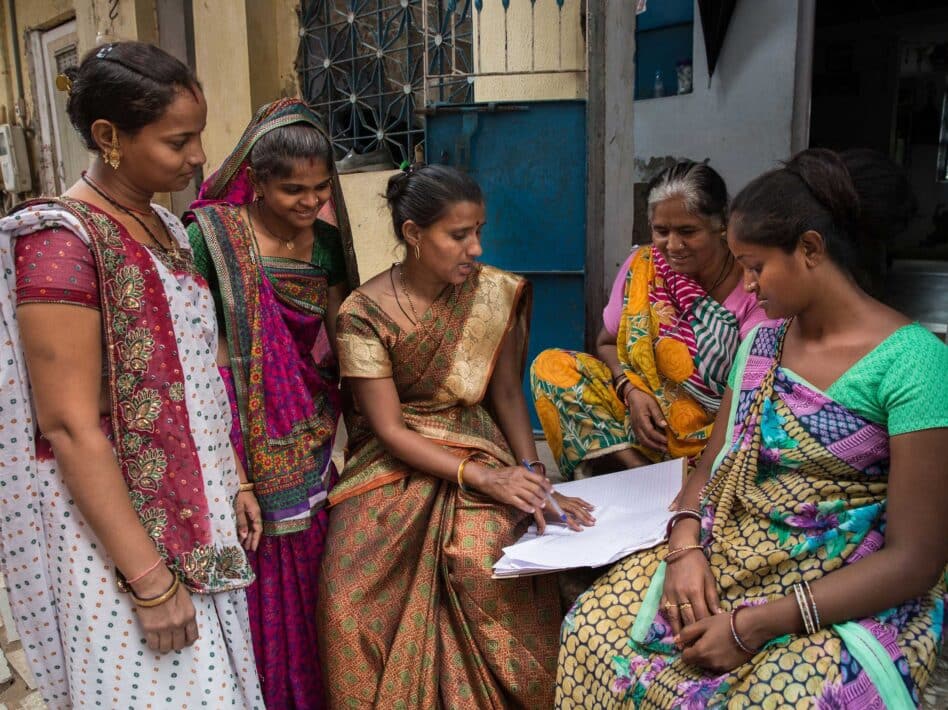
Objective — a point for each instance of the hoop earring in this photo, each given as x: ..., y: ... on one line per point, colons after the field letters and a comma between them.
x: 113, y: 157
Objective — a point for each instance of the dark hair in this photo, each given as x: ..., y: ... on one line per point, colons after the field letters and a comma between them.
x: 886, y: 200
x: 130, y: 84
x: 812, y: 191
x: 698, y: 185
x: 424, y: 193
x: 275, y: 152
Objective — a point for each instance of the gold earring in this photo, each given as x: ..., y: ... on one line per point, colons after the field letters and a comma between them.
x: 113, y: 157
x: 417, y: 251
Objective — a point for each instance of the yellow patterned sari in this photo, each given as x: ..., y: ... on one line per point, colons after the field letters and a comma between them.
x: 410, y: 614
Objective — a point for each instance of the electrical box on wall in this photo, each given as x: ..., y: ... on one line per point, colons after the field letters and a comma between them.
x: 14, y: 162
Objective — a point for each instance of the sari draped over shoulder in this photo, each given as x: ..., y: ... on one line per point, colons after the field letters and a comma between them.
x: 411, y: 615
x: 441, y: 380
x: 287, y: 406
x: 675, y: 343
x: 798, y: 491
x: 168, y: 425
x: 283, y: 387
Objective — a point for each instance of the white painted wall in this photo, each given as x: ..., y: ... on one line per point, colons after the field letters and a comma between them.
x: 742, y: 123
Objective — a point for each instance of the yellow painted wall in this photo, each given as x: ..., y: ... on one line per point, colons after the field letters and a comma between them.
x: 375, y: 243
x: 223, y: 66
x: 537, y: 37
x: 244, y: 54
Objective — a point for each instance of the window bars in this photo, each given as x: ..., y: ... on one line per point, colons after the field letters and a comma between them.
x: 371, y: 67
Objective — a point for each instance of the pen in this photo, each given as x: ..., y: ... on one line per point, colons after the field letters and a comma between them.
x: 549, y: 496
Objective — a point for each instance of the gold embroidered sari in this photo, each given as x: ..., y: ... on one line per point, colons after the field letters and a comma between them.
x: 410, y: 614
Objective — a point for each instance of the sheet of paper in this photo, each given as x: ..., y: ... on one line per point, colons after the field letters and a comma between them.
x: 631, y: 510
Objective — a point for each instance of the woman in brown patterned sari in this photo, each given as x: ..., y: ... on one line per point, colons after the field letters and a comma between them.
x: 433, y: 350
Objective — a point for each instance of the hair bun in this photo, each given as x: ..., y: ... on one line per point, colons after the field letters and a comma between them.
x: 396, y: 185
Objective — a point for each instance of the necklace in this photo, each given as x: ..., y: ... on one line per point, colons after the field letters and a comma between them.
x: 725, y: 271
x: 401, y: 275
x: 391, y: 277
x: 288, y: 244
x: 172, y: 249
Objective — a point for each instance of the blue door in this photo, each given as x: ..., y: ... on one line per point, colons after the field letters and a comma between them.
x: 530, y: 160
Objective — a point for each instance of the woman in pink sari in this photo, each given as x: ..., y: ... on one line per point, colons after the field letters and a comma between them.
x: 278, y: 275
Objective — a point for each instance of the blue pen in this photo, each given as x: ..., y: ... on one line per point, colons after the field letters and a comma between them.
x: 549, y: 496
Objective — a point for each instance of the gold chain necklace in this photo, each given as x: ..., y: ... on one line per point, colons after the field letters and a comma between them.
x: 411, y: 304
x: 288, y: 244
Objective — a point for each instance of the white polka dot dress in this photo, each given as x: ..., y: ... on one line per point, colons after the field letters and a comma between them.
x: 80, y: 634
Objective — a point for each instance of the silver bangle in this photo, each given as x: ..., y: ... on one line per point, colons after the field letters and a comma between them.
x: 816, y: 612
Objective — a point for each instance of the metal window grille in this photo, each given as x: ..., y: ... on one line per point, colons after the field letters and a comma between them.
x: 371, y: 67
x: 362, y: 67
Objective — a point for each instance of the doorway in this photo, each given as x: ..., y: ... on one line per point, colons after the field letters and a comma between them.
x: 880, y: 81
x: 56, y: 50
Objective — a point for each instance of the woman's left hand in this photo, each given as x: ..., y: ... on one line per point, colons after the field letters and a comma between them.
x: 708, y: 644
x: 249, y: 520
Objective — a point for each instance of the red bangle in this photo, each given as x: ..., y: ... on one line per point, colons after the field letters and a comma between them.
x: 141, y: 576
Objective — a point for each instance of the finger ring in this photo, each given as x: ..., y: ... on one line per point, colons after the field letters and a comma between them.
x: 683, y: 605
x: 669, y: 605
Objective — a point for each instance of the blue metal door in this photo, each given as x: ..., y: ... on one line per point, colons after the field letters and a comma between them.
x: 530, y: 160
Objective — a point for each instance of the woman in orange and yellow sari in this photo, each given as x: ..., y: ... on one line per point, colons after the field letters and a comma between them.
x: 675, y: 317
x: 433, y: 488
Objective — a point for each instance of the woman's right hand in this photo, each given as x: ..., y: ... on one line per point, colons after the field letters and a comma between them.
x: 646, y: 419
x: 688, y: 582
x: 170, y: 626
x: 511, y: 485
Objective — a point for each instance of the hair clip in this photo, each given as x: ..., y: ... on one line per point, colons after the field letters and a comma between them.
x: 64, y: 83
x: 405, y: 167
x: 105, y: 51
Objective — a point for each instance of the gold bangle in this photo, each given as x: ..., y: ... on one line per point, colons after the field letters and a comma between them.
x: 461, y: 466
x: 246, y: 486
x: 149, y: 602
x: 678, y: 550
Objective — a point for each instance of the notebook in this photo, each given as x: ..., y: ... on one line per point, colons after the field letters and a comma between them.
x: 631, y: 511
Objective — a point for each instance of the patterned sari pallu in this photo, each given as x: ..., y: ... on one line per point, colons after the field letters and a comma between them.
x: 800, y: 492
x: 155, y: 450
x: 675, y: 343
x: 411, y: 616
x: 273, y: 309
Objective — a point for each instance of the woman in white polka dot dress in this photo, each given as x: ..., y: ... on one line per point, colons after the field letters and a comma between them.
x: 124, y: 519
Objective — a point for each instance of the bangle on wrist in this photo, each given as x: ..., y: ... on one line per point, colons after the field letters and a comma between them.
x: 247, y: 486
x: 678, y: 517
x: 149, y: 602
x: 737, y: 639
x: 464, y: 462
x: 672, y: 555
x: 139, y: 577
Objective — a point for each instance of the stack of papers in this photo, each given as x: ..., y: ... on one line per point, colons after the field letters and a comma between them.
x: 631, y: 511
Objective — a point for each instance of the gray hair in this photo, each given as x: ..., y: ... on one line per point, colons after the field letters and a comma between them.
x: 697, y: 185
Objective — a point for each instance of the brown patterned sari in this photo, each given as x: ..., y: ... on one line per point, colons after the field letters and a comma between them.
x: 410, y: 614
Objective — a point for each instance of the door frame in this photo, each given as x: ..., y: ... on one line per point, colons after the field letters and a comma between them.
x: 52, y: 168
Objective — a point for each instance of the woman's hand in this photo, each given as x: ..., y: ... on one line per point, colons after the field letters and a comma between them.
x: 170, y: 626
x: 690, y: 592
x: 249, y: 520
x: 646, y: 418
x: 708, y: 644
x: 578, y: 512
x: 512, y: 485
